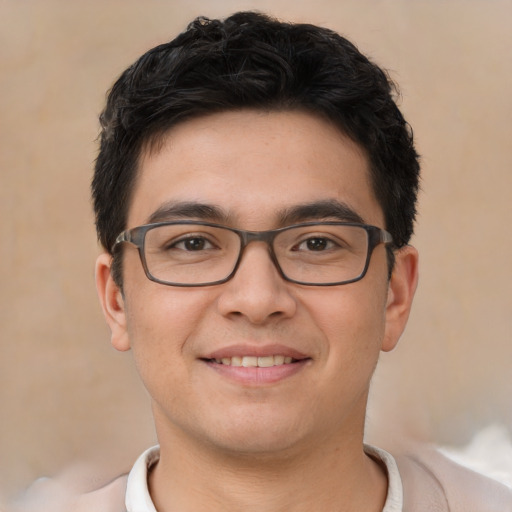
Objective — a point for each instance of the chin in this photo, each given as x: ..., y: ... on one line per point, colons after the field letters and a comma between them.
x: 258, y: 447
x: 257, y: 437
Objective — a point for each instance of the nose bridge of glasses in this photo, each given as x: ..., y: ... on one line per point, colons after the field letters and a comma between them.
x: 265, y: 237
x: 257, y: 236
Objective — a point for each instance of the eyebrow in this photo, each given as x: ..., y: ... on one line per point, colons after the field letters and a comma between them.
x: 316, y: 210
x: 189, y: 210
x: 325, y: 209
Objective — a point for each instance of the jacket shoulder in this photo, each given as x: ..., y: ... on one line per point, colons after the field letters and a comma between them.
x: 434, y: 483
x: 61, y: 495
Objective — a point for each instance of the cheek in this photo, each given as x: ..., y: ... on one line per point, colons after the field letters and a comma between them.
x: 352, y: 324
x: 161, y: 321
x: 352, y: 320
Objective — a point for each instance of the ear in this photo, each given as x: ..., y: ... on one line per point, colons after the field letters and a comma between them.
x: 112, y: 302
x: 401, y: 289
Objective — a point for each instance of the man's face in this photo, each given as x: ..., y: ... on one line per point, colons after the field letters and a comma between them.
x: 253, y: 168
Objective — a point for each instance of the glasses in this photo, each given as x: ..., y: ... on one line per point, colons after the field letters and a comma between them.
x: 196, y: 253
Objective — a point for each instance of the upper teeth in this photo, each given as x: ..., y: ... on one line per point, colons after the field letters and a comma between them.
x: 253, y: 361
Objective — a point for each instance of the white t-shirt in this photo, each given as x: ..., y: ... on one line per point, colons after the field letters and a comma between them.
x: 139, y: 500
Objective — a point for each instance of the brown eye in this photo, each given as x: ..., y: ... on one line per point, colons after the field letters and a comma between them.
x: 196, y: 243
x: 316, y: 244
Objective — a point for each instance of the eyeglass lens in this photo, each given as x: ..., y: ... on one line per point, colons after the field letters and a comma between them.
x: 192, y: 254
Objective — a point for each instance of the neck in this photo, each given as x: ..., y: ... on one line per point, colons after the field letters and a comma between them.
x: 332, y: 476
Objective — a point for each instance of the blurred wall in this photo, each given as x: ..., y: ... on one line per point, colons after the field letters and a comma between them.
x: 66, y: 395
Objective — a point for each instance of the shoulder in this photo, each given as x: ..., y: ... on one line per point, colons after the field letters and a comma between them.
x: 432, y: 482
x: 62, y: 495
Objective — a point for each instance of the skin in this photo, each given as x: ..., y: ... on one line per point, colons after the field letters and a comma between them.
x: 241, y: 444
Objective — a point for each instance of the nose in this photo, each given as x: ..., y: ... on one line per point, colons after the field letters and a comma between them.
x: 257, y: 291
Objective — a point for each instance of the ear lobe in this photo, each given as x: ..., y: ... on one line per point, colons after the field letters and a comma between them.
x: 112, y: 302
x: 401, y: 289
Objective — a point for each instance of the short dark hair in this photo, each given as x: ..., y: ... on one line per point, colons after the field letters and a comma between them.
x: 252, y: 61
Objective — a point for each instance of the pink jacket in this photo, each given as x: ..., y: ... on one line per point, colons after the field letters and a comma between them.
x: 433, y: 483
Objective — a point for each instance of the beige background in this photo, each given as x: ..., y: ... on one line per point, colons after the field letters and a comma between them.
x: 65, y: 395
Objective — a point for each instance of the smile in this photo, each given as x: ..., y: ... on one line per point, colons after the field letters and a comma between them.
x: 255, y: 371
x: 253, y: 361
x: 255, y: 365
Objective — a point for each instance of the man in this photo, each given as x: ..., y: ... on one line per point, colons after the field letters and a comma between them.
x: 255, y: 193
x: 275, y: 182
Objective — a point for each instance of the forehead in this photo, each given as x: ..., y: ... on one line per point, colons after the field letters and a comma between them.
x: 252, y: 165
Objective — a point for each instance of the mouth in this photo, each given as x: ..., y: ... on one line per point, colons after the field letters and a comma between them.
x: 254, y: 361
x: 251, y: 366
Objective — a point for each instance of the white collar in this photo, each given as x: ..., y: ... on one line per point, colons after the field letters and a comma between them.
x: 395, y: 497
x: 139, y: 500
x: 137, y: 492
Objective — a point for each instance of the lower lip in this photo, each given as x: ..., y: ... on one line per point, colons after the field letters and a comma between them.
x: 256, y: 376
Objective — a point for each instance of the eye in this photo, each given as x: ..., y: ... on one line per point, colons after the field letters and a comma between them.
x: 316, y: 244
x: 193, y: 243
